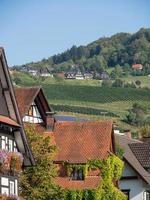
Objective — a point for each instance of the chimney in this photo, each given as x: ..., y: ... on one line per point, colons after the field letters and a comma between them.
x: 128, y: 133
x: 50, y: 120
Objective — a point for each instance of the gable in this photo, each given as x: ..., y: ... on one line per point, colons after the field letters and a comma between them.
x: 33, y: 114
x: 28, y: 96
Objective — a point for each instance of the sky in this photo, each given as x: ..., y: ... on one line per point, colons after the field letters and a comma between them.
x: 35, y: 29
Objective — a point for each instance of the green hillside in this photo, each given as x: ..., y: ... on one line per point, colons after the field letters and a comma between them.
x: 122, y: 49
x: 88, y: 97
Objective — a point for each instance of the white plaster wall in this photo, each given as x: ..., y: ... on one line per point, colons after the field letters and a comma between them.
x: 136, y: 186
x: 128, y: 171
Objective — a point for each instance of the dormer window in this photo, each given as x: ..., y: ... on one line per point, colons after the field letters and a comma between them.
x: 33, y: 115
x: 77, y: 174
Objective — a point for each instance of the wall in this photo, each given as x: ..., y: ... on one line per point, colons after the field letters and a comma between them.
x: 136, y: 186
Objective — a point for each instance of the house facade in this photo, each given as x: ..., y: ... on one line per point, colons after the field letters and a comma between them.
x: 104, y: 75
x: 135, y: 181
x: 76, y: 75
x: 15, y: 153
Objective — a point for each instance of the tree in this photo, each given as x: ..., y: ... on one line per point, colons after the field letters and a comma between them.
x: 137, y: 115
x: 37, y: 181
x: 138, y: 83
x: 145, y: 131
x: 117, y: 72
x: 118, y: 83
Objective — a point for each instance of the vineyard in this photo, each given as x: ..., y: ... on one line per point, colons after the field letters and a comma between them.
x: 82, y: 110
x: 88, y: 97
x: 111, y: 100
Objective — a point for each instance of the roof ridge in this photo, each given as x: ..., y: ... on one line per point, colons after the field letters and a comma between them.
x: 84, y: 122
x: 29, y: 87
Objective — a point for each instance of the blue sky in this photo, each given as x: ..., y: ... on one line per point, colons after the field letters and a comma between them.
x: 36, y: 29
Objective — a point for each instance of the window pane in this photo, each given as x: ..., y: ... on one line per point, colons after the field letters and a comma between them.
x: 12, y: 187
x: 3, y: 144
x: 80, y: 176
x: 77, y: 175
x: 4, y: 181
x: 5, y: 190
x: 10, y: 145
x: 16, y: 187
x: 15, y: 147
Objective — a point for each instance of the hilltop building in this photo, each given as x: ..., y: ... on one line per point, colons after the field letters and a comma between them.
x: 43, y: 72
x: 137, y: 66
x: 79, y: 76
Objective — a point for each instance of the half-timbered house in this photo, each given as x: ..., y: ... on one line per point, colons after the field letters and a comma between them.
x: 15, y: 153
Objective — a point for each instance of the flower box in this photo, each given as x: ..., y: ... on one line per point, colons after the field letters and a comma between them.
x: 11, y: 161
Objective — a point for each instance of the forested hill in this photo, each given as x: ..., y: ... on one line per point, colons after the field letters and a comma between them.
x: 122, y: 49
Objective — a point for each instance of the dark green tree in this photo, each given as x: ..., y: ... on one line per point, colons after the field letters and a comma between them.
x: 137, y: 115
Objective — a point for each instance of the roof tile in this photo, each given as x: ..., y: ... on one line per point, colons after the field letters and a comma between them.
x: 89, y: 182
x: 82, y: 141
x: 7, y: 120
x: 25, y: 97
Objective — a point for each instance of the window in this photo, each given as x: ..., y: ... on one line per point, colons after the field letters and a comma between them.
x: 7, y: 144
x: 77, y: 174
x: 9, y: 186
x: 127, y: 193
x: 4, y: 185
x: 4, y: 190
x: 147, y: 195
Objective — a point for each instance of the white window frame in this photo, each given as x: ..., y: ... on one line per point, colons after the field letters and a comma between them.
x: 9, y: 186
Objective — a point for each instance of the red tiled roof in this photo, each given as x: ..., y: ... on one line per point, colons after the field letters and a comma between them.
x: 7, y: 120
x: 89, y: 182
x: 137, y: 66
x: 25, y: 97
x: 79, y: 142
x: 82, y: 141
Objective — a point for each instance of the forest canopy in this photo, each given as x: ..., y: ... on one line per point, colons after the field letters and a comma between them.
x: 121, y: 49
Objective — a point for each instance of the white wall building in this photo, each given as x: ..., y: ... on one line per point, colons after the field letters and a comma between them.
x: 135, y: 181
